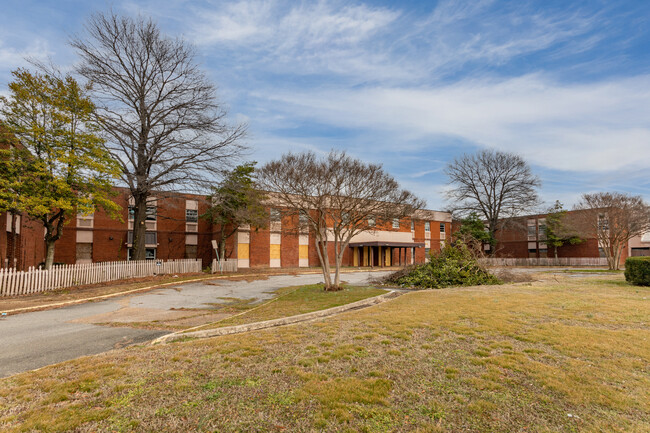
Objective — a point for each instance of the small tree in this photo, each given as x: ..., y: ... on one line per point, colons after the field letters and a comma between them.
x: 236, y: 201
x: 559, y: 229
x: 614, y: 218
x: 472, y: 233
x: 64, y: 167
x: 497, y: 186
x: 336, y: 196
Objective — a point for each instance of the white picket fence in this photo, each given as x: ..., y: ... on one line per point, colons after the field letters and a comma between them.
x: 14, y: 282
x: 221, y: 266
x: 544, y: 261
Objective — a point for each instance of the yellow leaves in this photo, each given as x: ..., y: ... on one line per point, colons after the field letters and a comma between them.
x: 67, y: 166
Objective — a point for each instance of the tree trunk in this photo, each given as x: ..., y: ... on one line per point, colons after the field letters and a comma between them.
x: 617, y: 258
x: 49, y: 255
x: 222, y: 248
x: 139, y: 227
x: 12, y: 261
x: 339, y: 260
x: 321, y: 248
x: 337, y: 274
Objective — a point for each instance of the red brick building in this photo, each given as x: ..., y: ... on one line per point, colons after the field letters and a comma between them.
x: 175, y: 231
x: 525, y: 237
x: 21, y: 239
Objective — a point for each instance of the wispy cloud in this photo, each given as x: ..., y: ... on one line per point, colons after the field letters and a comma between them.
x: 371, y: 42
x: 11, y: 57
x: 600, y: 126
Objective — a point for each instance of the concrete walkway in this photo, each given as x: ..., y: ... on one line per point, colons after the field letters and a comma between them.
x: 36, y: 339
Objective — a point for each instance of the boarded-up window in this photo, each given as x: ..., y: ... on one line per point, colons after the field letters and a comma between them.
x: 190, y: 251
x: 84, y: 253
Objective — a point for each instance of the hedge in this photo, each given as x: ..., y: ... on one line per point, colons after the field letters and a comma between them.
x: 637, y: 270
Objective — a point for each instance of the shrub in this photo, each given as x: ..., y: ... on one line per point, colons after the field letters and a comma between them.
x: 637, y: 271
x: 453, y: 266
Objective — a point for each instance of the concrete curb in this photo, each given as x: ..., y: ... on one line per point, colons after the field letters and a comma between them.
x: 157, y: 286
x: 228, y: 330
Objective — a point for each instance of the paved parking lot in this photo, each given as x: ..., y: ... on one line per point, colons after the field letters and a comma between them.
x: 34, y: 340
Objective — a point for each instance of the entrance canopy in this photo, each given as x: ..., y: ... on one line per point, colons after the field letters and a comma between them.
x: 386, y: 244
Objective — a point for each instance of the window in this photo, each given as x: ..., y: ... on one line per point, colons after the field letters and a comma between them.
x: 532, y: 233
x: 303, y: 221
x: 395, y: 223
x: 150, y: 254
x: 427, y: 251
x: 151, y: 213
x: 603, y: 222
x: 542, y: 231
x: 412, y: 225
x: 190, y: 251
x: 345, y: 217
x: 371, y: 221
x: 427, y: 226
x: 275, y: 215
x: 150, y: 238
x: 191, y: 215
x: 442, y: 227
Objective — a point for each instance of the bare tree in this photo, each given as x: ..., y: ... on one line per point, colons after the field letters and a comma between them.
x: 495, y: 185
x: 158, y: 110
x: 614, y: 218
x: 336, y: 196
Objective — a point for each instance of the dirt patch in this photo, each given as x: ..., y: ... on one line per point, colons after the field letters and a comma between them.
x: 509, y: 276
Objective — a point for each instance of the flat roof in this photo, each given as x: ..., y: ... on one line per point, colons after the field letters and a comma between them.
x: 387, y: 244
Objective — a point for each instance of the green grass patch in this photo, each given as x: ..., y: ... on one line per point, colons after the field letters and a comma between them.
x: 299, y: 300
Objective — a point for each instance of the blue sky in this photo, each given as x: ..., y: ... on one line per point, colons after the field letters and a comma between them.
x: 409, y: 84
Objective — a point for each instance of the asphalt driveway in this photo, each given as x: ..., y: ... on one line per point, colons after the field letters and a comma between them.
x: 34, y: 340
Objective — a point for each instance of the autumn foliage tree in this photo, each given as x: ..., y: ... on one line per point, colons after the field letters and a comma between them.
x: 335, y: 196
x: 61, y: 167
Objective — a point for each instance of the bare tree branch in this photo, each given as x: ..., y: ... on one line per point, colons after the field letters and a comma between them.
x: 613, y: 218
x: 495, y: 185
x: 158, y: 111
x: 335, y: 195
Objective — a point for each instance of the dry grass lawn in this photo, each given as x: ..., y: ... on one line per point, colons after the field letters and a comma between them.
x: 562, y: 355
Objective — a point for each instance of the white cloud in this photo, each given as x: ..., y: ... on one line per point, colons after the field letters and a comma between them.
x: 305, y: 25
x: 370, y: 42
x: 12, y: 58
x: 602, y: 126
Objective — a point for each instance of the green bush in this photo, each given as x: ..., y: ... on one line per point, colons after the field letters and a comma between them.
x: 453, y: 266
x: 637, y: 271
